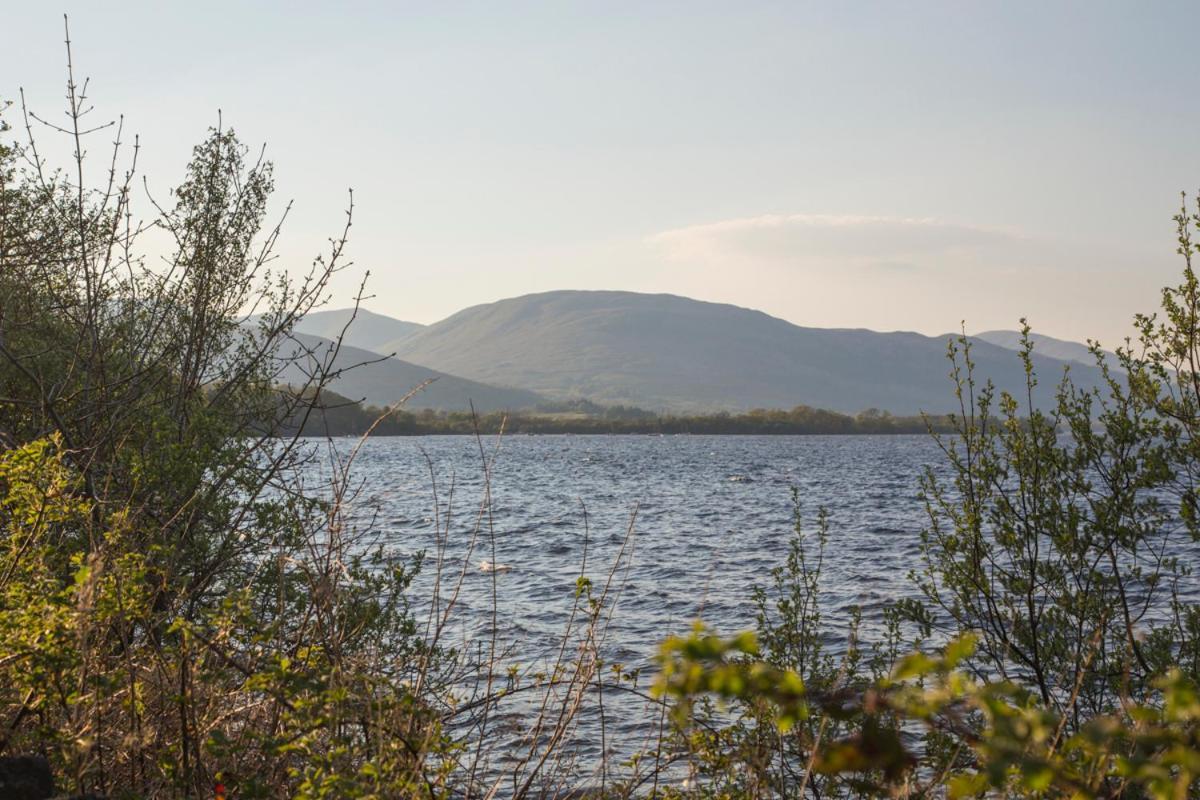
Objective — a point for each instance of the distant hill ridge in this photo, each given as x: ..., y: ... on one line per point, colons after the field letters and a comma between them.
x: 1045, y: 345
x: 369, y: 331
x: 672, y: 353
x: 383, y: 381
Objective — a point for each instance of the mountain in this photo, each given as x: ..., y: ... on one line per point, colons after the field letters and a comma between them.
x: 369, y: 331
x: 667, y: 352
x: 382, y: 381
x: 1046, y: 345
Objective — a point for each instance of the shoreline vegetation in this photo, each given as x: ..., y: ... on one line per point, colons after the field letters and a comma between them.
x: 333, y: 415
x: 187, y: 603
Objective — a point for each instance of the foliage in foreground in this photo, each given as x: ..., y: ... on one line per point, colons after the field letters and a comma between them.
x: 171, y: 604
x: 1004, y: 739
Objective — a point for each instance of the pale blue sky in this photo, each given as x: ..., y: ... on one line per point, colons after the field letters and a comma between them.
x: 881, y: 165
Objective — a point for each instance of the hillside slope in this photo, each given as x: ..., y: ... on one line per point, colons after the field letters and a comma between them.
x: 369, y: 331
x: 1061, y: 349
x: 669, y: 352
x: 382, y: 381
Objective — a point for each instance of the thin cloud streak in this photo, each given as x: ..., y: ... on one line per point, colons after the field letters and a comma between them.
x: 865, y: 240
x: 901, y: 273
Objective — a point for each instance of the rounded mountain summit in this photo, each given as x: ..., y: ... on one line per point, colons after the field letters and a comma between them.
x: 669, y: 353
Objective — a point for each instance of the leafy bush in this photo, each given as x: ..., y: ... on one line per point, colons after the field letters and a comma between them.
x: 174, y: 603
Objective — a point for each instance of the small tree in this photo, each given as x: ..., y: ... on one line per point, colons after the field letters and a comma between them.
x: 174, y: 602
x: 1052, y: 544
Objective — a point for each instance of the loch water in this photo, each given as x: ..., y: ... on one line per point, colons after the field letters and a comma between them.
x: 704, y: 518
x: 709, y: 517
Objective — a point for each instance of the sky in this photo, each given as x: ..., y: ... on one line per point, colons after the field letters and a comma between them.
x: 894, y: 166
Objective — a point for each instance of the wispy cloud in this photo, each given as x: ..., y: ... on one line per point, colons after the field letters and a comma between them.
x: 886, y: 243
x: 900, y: 272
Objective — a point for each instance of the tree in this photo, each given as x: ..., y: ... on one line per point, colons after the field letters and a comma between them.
x: 174, y: 603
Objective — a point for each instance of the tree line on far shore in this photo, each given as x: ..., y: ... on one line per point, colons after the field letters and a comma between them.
x: 335, y: 415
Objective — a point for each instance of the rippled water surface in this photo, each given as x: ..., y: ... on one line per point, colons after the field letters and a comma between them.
x: 711, y: 515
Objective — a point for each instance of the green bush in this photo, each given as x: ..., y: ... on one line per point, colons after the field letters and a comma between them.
x: 174, y: 603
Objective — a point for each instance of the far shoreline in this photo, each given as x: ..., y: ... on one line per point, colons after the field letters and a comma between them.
x: 336, y: 416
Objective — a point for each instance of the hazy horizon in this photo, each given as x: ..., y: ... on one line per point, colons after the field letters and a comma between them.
x: 880, y: 167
